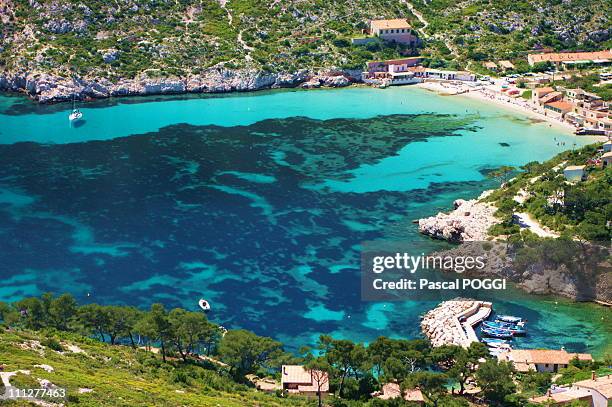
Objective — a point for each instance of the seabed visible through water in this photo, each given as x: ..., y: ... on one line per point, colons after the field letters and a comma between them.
x: 258, y: 202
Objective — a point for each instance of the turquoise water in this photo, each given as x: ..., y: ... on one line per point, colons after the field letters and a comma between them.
x: 258, y: 202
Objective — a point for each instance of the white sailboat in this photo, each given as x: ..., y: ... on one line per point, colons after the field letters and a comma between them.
x: 76, y: 114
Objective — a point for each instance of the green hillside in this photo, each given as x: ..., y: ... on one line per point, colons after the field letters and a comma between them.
x: 112, y: 40
x: 181, y: 37
x: 118, y: 375
x: 577, y: 209
x: 468, y: 31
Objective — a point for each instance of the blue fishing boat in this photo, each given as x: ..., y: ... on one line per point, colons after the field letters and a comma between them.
x: 493, y: 341
x: 515, y: 329
x: 497, y: 333
x: 510, y: 319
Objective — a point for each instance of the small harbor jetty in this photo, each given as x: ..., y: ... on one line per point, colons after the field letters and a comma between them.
x: 452, y: 322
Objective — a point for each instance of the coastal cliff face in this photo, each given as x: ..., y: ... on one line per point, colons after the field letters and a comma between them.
x: 469, y: 221
x: 550, y: 267
x: 556, y: 267
x: 47, y: 88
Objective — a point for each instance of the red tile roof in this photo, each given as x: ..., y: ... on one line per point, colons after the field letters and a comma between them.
x: 561, y: 105
x: 570, y: 56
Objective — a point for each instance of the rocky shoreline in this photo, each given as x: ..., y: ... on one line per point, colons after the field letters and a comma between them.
x: 46, y: 88
x: 469, y: 221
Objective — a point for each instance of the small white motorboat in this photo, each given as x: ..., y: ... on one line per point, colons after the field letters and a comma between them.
x: 204, y: 305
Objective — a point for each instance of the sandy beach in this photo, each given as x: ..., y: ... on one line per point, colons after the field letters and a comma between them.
x: 488, y: 94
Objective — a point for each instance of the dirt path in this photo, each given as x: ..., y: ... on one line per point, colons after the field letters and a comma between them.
x: 447, y: 41
x: 419, y: 17
x: 525, y: 220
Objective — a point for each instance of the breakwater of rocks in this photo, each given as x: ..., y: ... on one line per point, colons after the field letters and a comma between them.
x: 452, y: 322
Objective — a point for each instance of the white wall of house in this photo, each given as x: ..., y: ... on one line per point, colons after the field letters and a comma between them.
x: 598, y: 399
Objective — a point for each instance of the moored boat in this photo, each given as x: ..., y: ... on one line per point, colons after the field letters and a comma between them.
x: 497, y: 333
x: 490, y: 341
x: 515, y: 329
x: 509, y: 319
x: 76, y: 114
x: 204, y: 305
x: 501, y: 346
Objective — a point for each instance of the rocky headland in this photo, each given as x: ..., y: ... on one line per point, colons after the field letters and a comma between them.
x: 551, y: 267
x: 469, y: 221
x: 47, y: 88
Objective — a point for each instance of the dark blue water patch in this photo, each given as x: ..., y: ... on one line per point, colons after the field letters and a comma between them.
x: 194, y: 211
x: 238, y: 215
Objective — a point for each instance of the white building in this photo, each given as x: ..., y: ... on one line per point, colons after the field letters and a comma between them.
x: 600, y: 389
x: 574, y: 172
x: 595, y: 392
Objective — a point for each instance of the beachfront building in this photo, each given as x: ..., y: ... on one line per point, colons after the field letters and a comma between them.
x: 557, y: 109
x: 393, y: 390
x: 584, y: 99
x: 397, y: 30
x: 407, y: 70
x: 574, y: 173
x: 506, y: 65
x: 538, y: 93
x: 541, y: 360
x: 605, y: 124
x: 296, y: 379
x: 392, y: 72
x: 392, y: 65
x: 571, y: 58
x: 596, y: 392
x: 428, y: 73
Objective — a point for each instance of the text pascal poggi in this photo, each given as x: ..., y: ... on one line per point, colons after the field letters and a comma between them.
x: 407, y: 263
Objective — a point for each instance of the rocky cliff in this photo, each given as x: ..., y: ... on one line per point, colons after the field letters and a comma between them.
x: 469, y: 221
x: 47, y: 88
x: 566, y: 268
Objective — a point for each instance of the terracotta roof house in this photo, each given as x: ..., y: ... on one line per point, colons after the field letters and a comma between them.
x: 558, y: 108
x: 398, y: 30
x: 393, y: 390
x: 600, y: 389
x: 538, y: 93
x: 551, y: 97
x: 490, y: 65
x: 506, y: 65
x: 571, y: 57
x: 296, y: 379
x: 597, y: 392
x: 562, y: 396
x: 541, y: 360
